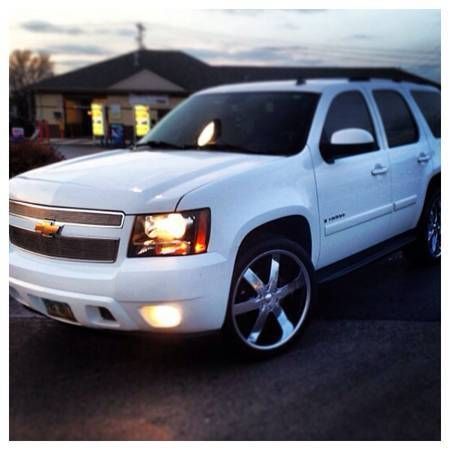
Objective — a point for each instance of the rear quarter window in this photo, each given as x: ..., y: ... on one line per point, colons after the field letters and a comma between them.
x: 429, y: 104
x: 398, y: 120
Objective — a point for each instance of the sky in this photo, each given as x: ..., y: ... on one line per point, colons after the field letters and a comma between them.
x: 409, y: 39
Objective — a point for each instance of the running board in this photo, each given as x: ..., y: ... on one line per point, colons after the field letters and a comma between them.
x: 365, y: 257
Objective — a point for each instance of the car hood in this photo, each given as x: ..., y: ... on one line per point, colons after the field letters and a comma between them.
x: 129, y: 181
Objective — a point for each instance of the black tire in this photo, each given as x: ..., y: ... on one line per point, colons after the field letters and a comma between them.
x: 422, y: 251
x: 289, y: 312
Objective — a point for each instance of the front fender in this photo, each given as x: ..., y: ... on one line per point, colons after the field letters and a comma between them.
x: 241, y: 203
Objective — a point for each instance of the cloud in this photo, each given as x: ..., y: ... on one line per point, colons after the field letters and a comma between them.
x: 250, y: 12
x: 41, y: 26
x: 307, y: 55
x: 75, y: 63
x: 247, y: 12
x: 128, y: 32
x: 112, y: 30
x: 266, y: 55
x: 307, y: 11
x: 272, y: 53
x: 362, y: 36
x: 76, y: 49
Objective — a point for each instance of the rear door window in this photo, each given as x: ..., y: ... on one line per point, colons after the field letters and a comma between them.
x: 429, y: 104
x: 399, y: 123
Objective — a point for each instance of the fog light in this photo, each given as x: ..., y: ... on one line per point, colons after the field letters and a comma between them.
x: 161, y: 316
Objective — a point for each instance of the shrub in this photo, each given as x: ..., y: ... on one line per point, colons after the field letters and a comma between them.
x: 29, y: 155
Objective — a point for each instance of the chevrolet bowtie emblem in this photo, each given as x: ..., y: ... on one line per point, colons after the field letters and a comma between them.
x: 47, y: 228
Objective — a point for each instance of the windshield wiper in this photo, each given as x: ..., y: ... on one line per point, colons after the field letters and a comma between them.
x: 171, y: 146
x: 158, y: 145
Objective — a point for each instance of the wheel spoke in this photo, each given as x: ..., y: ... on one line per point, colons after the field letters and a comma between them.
x: 258, y: 326
x: 274, y: 272
x: 434, y: 230
x: 286, y: 326
x: 430, y: 235
x: 246, y: 306
x: 434, y: 240
x: 254, y: 281
x: 259, y: 309
x: 291, y: 287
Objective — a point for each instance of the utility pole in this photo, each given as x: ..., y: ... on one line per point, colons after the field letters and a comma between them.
x: 140, y: 42
x: 140, y: 36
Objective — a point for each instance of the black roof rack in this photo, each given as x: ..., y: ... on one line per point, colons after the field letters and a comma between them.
x: 362, y: 78
x: 362, y: 74
x: 395, y: 79
x: 359, y: 78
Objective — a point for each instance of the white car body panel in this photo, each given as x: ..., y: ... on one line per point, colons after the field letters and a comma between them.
x: 348, y: 221
x: 409, y: 178
x: 265, y: 199
x: 132, y: 182
x: 346, y: 207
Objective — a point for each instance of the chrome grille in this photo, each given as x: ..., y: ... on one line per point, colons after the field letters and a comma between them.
x: 79, y: 248
x: 67, y: 215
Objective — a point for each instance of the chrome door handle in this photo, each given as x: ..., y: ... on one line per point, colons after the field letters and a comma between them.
x: 379, y: 170
x: 423, y: 158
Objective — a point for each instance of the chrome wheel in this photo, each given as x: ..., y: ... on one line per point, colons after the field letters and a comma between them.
x: 271, y: 299
x: 434, y: 228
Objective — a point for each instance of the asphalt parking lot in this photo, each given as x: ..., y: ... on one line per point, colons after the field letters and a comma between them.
x: 367, y: 367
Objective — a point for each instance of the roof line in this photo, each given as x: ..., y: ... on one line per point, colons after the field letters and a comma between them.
x: 197, y: 74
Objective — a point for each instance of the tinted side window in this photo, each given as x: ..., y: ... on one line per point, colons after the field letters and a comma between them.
x: 430, y: 106
x: 398, y: 121
x: 348, y: 110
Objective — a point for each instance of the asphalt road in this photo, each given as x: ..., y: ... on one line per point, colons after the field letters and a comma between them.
x: 367, y: 367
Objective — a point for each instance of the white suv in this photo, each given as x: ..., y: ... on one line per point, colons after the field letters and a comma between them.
x: 230, y: 211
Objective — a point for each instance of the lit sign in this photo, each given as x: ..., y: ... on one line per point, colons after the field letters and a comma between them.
x: 98, y: 126
x: 150, y: 100
x: 142, y: 118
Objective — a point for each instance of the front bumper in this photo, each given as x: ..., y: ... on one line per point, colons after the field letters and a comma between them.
x: 198, y: 285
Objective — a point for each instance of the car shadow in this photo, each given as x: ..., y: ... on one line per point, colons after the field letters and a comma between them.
x: 392, y: 288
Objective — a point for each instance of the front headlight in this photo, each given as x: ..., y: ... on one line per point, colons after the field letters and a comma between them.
x: 184, y: 233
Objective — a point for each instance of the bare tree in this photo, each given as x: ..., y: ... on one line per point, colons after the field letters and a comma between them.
x: 26, y: 68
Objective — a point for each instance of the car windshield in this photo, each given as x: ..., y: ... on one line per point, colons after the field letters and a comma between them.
x: 272, y: 123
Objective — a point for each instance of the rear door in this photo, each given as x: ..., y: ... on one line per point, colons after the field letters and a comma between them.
x: 409, y: 155
x: 354, y: 192
x: 429, y: 104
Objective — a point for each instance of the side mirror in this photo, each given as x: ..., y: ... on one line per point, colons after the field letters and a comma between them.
x: 346, y: 142
x: 352, y: 136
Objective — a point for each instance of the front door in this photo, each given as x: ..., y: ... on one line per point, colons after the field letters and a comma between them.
x: 354, y: 192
